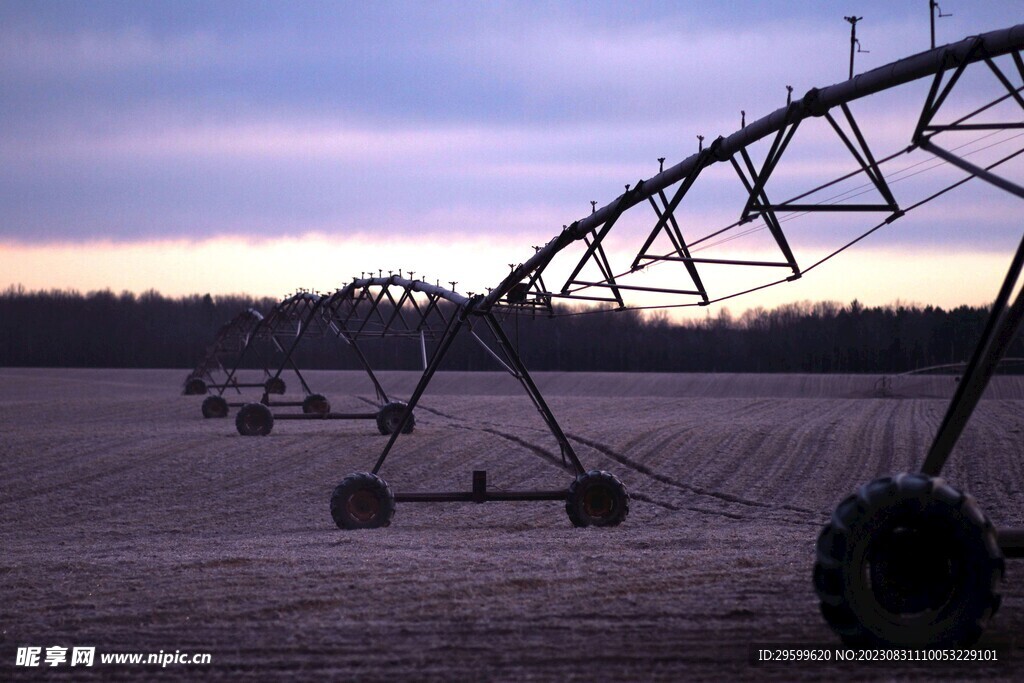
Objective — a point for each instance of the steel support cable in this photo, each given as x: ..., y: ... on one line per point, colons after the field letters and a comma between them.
x: 894, y: 177
x: 963, y: 118
x: 864, y: 188
x: 785, y: 216
x: 815, y: 103
x: 935, y: 163
x: 850, y: 193
x: 817, y: 263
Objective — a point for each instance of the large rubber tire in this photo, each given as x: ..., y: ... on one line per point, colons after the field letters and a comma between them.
x: 195, y: 386
x: 362, y: 501
x: 215, y: 406
x: 316, y: 404
x: 597, y: 498
x: 908, y: 561
x: 390, y: 416
x: 254, y: 419
x: 274, y: 385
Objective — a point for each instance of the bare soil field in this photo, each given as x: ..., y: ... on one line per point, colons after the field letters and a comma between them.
x: 130, y: 523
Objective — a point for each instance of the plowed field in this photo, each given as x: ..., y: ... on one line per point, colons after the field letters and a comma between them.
x: 130, y: 523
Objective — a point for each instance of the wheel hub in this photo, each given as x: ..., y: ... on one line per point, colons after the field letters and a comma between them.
x: 598, y: 502
x: 393, y: 419
x: 911, y: 570
x: 362, y: 506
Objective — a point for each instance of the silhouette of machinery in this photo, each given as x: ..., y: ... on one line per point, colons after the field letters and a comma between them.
x: 256, y: 339
x: 230, y: 340
x: 907, y: 559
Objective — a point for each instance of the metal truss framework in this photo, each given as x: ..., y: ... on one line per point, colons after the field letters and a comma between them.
x: 369, y: 308
x: 396, y: 307
x: 666, y: 192
x: 399, y: 307
x: 265, y: 342
x: 231, y: 339
x: 356, y: 310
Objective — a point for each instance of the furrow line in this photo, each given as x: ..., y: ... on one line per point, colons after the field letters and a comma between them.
x: 719, y: 495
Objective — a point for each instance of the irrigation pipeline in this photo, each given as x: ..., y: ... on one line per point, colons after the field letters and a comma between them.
x: 699, y: 245
x: 783, y: 123
x: 814, y: 265
x: 817, y: 102
x: 859, y: 190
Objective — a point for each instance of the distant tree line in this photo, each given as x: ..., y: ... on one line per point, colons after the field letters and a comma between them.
x: 103, y: 329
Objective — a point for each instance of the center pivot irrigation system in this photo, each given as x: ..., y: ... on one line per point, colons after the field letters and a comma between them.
x: 250, y: 334
x: 907, y: 559
x: 231, y: 339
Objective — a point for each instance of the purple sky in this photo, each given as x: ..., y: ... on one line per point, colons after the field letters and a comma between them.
x: 398, y: 123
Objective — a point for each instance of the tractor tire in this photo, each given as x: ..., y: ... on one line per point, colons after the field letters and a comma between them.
x: 597, y: 498
x: 254, y: 419
x: 316, y: 404
x: 390, y: 417
x: 215, y: 406
x: 274, y: 385
x: 908, y: 561
x: 195, y: 386
x: 362, y: 501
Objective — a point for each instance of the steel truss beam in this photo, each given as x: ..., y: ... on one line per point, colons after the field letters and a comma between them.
x: 230, y: 339
x: 390, y: 307
x: 284, y: 321
x: 368, y: 307
x: 593, y: 229
x: 524, y: 285
x: 508, y: 358
x: 395, y: 307
x: 596, y: 252
x: 371, y: 308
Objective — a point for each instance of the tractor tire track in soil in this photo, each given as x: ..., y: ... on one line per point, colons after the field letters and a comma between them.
x: 794, y: 467
x: 555, y: 460
x: 671, y: 481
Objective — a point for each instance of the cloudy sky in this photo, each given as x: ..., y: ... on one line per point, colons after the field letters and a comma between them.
x: 262, y: 147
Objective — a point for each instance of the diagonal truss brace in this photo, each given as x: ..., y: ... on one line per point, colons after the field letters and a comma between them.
x: 937, y: 98
x: 862, y: 153
x: 755, y: 182
x: 759, y: 202
x: 511, y: 363
x: 595, y: 251
x: 668, y: 224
